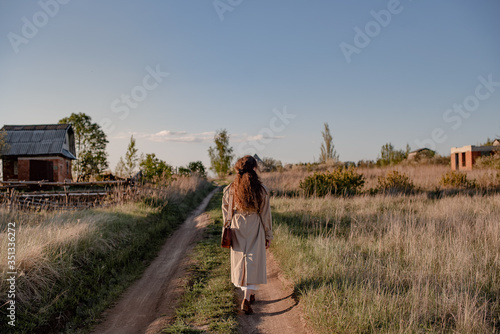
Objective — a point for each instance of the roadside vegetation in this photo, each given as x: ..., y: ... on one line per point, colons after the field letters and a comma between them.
x: 413, y: 249
x: 72, y: 265
x: 393, y: 264
x: 208, y: 303
x: 425, y: 178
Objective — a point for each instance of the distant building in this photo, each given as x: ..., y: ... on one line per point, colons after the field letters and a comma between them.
x: 464, y: 158
x: 422, y: 152
x: 38, y: 152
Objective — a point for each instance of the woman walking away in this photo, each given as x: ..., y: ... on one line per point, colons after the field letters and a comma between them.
x: 246, y: 203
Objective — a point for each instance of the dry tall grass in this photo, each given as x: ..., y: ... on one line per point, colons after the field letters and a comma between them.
x: 396, y: 264
x: 40, y: 234
x: 426, y: 177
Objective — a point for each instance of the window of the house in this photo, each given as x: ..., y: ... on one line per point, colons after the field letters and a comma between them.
x: 15, y: 167
x: 463, y: 160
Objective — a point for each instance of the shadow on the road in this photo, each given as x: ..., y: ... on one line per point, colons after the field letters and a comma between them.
x: 248, y: 323
x: 276, y: 300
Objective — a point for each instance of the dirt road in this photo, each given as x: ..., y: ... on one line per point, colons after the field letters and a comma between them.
x: 148, y: 304
x: 275, y: 310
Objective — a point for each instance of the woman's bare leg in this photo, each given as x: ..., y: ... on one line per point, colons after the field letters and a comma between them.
x: 248, y: 292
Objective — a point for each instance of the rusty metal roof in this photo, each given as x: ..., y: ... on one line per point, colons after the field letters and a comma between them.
x: 33, y: 140
x: 36, y: 127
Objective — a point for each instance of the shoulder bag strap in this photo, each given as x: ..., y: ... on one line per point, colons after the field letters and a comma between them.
x: 229, y: 217
x: 261, y: 221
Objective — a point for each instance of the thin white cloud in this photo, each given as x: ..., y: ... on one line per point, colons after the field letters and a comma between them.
x: 168, y: 133
x: 171, y: 136
x: 262, y: 137
x: 244, y: 137
x: 186, y: 137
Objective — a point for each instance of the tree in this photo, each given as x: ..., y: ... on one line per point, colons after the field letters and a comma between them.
x: 489, y: 142
x: 194, y: 167
x: 390, y: 156
x: 126, y: 167
x: 197, y: 167
x: 271, y: 165
x: 184, y: 171
x: 120, y: 168
x: 408, y: 150
x: 328, y: 152
x: 3, y: 142
x: 154, y: 169
x: 90, y: 142
x: 221, y: 155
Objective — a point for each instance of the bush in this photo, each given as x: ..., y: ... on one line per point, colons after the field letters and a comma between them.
x: 491, y: 161
x: 271, y: 165
x: 340, y: 181
x: 457, y: 180
x: 395, y: 182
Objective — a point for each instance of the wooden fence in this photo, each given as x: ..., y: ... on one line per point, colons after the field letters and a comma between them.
x: 63, y: 195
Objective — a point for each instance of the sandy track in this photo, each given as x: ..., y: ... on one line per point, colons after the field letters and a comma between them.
x: 148, y: 305
x: 275, y: 310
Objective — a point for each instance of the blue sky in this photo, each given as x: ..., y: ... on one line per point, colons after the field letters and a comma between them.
x: 171, y: 73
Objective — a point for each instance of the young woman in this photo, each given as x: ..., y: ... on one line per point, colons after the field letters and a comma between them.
x: 251, y: 224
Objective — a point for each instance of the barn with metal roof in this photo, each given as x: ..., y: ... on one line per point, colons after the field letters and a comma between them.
x: 38, y: 152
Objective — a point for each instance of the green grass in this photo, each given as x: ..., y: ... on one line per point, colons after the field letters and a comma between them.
x: 208, y: 304
x: 81, y: 277
x: 392, y: 264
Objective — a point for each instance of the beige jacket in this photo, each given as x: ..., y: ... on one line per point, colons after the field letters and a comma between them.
x: 248, y: 252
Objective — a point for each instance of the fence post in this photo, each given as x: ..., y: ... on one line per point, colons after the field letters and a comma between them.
x: 66, y: 195
x: 12, y: 198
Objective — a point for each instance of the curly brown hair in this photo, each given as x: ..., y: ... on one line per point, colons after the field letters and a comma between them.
x: 248, y: 190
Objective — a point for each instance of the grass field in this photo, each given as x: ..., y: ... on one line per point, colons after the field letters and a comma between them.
x: 425, y: 177
x: 393, y: 264
x: 72, y: 265
x: 362, y: 264
x: 379, y: 264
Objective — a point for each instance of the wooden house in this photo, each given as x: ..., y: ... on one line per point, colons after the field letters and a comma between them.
x: 38, y: 152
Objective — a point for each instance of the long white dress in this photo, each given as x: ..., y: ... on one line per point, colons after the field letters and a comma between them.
x: 248, y: 251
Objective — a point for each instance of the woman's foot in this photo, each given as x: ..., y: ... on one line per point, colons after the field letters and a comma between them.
x: 245, y: 307
x: 252, y: 299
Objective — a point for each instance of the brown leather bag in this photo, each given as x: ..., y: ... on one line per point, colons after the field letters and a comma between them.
x: 227, y: 233
x: 227, y: 236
